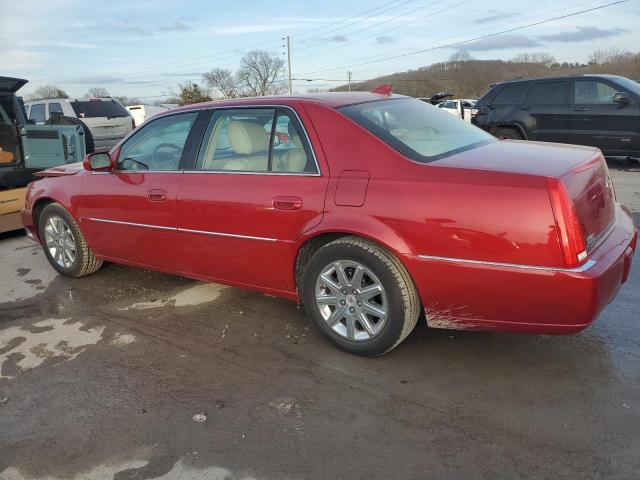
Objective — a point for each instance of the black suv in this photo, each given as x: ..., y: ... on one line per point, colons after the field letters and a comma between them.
x: 598, y: 110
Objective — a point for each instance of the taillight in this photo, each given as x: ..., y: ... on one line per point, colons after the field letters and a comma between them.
x: 570, y: 234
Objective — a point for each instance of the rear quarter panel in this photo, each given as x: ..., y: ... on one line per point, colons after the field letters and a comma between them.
x: 430, y: 209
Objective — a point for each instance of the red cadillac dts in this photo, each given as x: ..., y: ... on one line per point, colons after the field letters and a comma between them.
x: 369, y: 208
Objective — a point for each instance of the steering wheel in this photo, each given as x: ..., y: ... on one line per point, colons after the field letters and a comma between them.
x: 166, y: 156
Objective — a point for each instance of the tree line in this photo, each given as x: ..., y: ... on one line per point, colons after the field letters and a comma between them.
x: 466, y: 77
x: 260, y: 73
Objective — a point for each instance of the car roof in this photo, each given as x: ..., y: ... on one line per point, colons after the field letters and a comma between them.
x: 329, y: 99
x: 560, y: 77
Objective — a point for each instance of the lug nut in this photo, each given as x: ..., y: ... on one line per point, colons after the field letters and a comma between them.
x: 359, y: 304
x: 342, y: 302
x: 344, y: 291
x: 355, y: 292
x: 351, y: 309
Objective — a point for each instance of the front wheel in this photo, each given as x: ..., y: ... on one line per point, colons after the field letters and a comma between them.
x: 360, y: 296
x: 64, y: 245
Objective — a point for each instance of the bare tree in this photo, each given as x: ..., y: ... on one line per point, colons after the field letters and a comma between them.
x: 258, y: 74
x: 126, y: 101
x: 609, y: 55
x: 221, y: 82
x: 48, y: 91
x: 97, y: 92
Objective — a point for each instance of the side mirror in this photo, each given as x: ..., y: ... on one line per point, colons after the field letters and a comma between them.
x: 622, y: 98
x: 98, y: 162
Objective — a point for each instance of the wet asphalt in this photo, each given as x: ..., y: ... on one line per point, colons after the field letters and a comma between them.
x: 101, y: 377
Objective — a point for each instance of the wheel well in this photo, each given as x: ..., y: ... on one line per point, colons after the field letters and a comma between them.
x: 310, y: 247
x: 517, y: 128
x: 37, y: 210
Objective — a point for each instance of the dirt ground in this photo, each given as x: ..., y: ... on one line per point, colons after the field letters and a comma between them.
x: 101, y: 377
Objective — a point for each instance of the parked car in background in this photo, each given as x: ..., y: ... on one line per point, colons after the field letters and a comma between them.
x: 596, y: 110
x: 142, y: 113
x: 26, y: 148
x: 453, y: 107
x: 368, y: 208
x: 107, y: 119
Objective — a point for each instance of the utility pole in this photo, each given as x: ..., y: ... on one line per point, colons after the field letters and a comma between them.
x: 349, y: 79
x: 289, y: 63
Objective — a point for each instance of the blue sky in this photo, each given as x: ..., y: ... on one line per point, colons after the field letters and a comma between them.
x: 144, y: 48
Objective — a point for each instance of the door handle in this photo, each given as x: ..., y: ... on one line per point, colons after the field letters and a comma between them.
x: 157, y: 195
x: 287, y: 203
x: 581, y: 109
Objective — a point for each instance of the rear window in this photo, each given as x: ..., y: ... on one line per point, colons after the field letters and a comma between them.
x: 98, y: 108
x: 511, y: 93
x: 37, y: 113
x: 549, y: 93
x: 417, y: 130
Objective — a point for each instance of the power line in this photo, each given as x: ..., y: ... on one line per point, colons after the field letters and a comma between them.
x: 366, y: 12
x: 393, y: 57
x: 432, y: 14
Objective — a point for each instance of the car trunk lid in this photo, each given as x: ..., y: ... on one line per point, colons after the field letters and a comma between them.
x: 11, y: 85
x: 590, y: 187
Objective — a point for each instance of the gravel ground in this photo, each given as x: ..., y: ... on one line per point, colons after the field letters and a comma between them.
x: 131, y: 374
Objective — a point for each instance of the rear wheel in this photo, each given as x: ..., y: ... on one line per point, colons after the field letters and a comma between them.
x: 360, y: 296
x: 508, y: 133
x: 64, y: 245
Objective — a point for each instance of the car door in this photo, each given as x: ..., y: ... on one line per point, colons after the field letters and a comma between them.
x: 596, y: 120
x: 547, y: 105
x: 129, y: 213
x: 256, y: 187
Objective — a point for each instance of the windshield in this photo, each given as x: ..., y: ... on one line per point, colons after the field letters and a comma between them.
x: 631, y: 85
x: 98, y: 108
x: 416, y: 129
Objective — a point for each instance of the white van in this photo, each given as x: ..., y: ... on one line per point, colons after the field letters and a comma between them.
x: 106, y: 118
x: 142, y: 113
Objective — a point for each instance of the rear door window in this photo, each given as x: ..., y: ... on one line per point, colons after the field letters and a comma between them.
x: 37, y: 113
x: 99, y: 108
x: 511, y: 94
x: 548, y: 93
x: 248, y: 141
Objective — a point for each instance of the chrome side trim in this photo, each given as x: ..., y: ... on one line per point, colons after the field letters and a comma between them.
x: 582, y: 268
x: 187, y: 230
x: 238, y: 172
x: 132, y: 224
x: 232, y: 235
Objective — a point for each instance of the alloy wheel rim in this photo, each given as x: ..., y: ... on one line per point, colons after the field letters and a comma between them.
x: 351, y: 300
x: 59, y: 241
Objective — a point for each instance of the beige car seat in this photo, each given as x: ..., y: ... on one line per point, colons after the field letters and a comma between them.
x: 294, y: 159
x: 251, y: 140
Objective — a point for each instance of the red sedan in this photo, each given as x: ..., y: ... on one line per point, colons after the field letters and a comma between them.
x: 370, y: 209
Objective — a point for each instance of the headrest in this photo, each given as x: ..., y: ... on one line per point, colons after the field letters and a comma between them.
x: 293, y: 134
x: 246, y: 138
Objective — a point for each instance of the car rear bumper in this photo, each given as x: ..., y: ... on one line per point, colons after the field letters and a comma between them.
x: 470, y: 295
x: 106, y: 143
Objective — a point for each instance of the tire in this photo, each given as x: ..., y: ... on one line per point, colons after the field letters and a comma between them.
x: 509, y: 133
x: 373, y: 335
x: 90, y: 146
x: 56, y: 228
